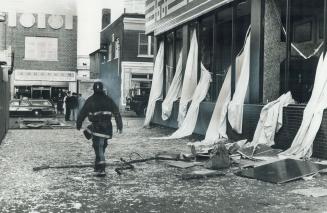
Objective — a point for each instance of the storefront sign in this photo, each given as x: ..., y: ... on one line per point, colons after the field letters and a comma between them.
x: 44, y: 75
x: 162, y: 15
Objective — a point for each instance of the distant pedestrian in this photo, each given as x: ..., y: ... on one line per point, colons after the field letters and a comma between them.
x: 99, y: 109
x: 74, y: 107
x: 81, y: 102
x: 60, y: 103
x: 68, y: 106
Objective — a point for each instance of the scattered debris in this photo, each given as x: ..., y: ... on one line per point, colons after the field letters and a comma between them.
x: 311, y: 192
x: 219, y: 158
x: 323, y: 171
x: 167, y: 155
x: 43, y: 167
x: 35, y: 126
x: 203, y: 173
x: 282, y: 171
x: 127, y: 165
x: 184, y: 165
x: 40, y: 123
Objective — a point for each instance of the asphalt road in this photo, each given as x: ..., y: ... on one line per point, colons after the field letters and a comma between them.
x: 152, y: 187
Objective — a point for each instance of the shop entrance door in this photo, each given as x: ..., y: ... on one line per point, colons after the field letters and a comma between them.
x: 41, y: 92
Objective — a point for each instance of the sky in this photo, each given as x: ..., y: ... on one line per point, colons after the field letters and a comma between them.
x: 88, y: 11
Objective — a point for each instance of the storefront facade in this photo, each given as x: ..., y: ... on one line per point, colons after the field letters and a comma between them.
x: 286, y: 42
x: 45, y: 47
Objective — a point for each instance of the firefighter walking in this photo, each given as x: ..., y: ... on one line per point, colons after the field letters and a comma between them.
x: 99, y: 108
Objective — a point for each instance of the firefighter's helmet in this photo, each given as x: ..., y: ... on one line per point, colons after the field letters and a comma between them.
x: 98, y: 87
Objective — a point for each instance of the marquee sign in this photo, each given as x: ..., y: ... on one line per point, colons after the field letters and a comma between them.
x: 44, y: 75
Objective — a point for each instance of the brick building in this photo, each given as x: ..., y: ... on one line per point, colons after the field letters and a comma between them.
x: 126, y: 56
x: 45, y: 47
x: 6, y: 64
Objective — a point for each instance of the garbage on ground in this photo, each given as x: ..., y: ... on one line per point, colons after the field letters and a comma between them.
x: 311, y: 192
x: 184, y: 165
x: 219, y: 158
x: 203, y: 173
x: 172, y: 156
x: 282, y: 171
x: 40, y: 123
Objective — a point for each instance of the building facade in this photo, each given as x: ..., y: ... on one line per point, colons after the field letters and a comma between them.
x: 4, y: 103
x: 128, y: 62
x: 45, y: 47
x: 6, y: 66
x: 287, y: 38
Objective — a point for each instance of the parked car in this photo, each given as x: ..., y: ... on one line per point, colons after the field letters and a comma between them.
x: 31, y: 107
x: 137, y: 100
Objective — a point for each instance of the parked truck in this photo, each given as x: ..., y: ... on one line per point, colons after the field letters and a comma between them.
x: 137, y: 100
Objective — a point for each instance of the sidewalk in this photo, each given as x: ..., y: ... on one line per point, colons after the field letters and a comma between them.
x: 152, y: 187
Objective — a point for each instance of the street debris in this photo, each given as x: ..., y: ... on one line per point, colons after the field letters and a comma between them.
x: 184, y: 165
x: 282, y: 171
x: 44, y: 123
x: 311, y: 192
x: 43, y: 167
x: 167, y: 155
x: 203, y: 173
x: 219, y: 158
x: 127, y: 165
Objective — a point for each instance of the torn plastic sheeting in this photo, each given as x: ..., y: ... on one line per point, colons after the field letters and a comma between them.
x: 302, y: 144
x: 190, y: 79
x: 156, y: 86
x: 217, y: 127
x: 271, y: 120
x: 235, y: 107
x: 174, y: 91
x: 191, y: 117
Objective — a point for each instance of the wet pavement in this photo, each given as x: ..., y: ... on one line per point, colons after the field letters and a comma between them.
x: 152, y: 187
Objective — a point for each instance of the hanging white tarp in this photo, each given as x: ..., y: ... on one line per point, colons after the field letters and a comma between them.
x: 156, y: 86
x: 271, y: 120
x: 192, y: 115
x: 190, y: 79
x: 217, y: 127
x: 235, y: 107
x: 302, y: 144
x: 174, y: 91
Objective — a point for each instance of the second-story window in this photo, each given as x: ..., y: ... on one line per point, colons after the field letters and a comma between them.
x: 110, y: 52
x: 145, y: 46
x: 117, y: 48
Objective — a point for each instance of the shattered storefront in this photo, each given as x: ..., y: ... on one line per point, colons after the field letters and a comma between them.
x: 257, y: 52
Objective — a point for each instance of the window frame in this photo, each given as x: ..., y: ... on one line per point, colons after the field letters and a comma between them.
x: 117, y: 49
x: 148, y: 44
x: 109, y: 52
